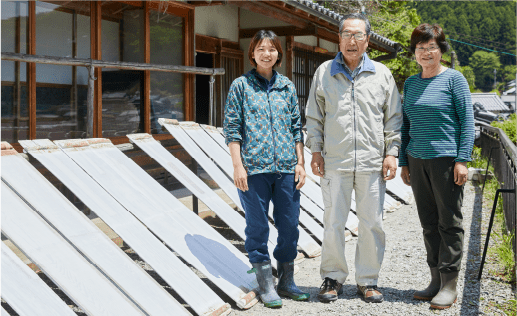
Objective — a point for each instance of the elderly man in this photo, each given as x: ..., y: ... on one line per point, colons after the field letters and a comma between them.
x: 354, y: 117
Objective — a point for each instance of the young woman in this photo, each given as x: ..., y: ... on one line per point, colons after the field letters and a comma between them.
x: 263, y: 130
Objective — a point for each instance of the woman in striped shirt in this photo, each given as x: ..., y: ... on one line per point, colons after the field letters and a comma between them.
x: 437, y: 140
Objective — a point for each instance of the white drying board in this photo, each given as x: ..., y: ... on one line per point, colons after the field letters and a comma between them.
x: 45, y: 247
x: 217, y: 135
x: 310, y: 189
x: 306, y: 220
x: 24, y: 290
x: 185, y: 232
x: 192, y: 182
x: 181, y: 278
x: 88, y: 238
x: 204, y: 141
x: 222, y: 180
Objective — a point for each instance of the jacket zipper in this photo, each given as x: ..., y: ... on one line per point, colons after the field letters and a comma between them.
x: 354, y: 131
x: 272, y: 132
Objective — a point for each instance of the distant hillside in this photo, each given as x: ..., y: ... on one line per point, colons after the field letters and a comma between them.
x: 489, y: 24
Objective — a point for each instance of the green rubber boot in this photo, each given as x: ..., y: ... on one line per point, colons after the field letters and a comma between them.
x: 286, y: 286
x: 267, y: 291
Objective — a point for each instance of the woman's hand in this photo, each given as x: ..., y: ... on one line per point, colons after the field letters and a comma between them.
x: 404, y: 174
x: 299, y: 176
x: 460, y: 173
x: 240, y: 178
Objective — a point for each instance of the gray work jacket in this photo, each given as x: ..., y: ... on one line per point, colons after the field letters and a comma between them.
x: 356, y: 122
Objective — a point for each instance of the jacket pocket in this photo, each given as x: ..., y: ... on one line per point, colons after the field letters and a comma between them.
x: 325, y: 191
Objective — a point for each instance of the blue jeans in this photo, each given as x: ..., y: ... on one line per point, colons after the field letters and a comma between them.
x: 281, y: 189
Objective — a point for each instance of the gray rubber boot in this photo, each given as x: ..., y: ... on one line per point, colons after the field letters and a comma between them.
x: 447, y: 294
x: 431, y: 290
x: 267, y: 291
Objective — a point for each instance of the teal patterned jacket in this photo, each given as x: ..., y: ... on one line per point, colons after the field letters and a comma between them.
x: 267, y: 124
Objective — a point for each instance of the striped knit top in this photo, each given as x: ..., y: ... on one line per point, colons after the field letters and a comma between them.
x: 438, y: 120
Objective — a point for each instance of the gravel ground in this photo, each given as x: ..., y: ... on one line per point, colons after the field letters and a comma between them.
x: 404, y: 270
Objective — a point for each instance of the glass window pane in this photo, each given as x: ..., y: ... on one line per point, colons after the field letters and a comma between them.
x: 64, y: 31
x: 15, y: 120
x: 167, y: 98
x: 122, y: 40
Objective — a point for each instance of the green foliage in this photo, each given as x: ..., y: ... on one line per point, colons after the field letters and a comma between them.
x: 468, y: 73
x: 396, y: 21
x: 489, y: 24
x: 484, y: 63
x: 505, y: 253
x: 508, y: 126
x: 477, y: 160
x: 506, y: 74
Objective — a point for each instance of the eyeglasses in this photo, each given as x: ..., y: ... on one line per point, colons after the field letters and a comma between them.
x: 430, y: 49
x: 358, y: 36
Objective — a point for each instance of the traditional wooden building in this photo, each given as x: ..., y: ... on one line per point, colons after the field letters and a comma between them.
x: 50, y: 101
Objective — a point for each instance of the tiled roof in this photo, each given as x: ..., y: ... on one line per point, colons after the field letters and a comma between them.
x: 335, y: 18
x: 510, y: 98
x: 490, y: 101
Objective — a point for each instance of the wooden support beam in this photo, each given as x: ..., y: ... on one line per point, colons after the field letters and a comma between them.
x: 188, y: 45
x: 279, y: 31
x: 289, y: 56
x: 147, y: 73
x: 272, y: 12
x: 17, y: 76
x: 328, y: 35
x: 96, y: 53
x: 218, y: 63
x: 31, y: 70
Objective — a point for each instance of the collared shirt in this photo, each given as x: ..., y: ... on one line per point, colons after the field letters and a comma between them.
x: 264, y: 83
x: 347, y: 69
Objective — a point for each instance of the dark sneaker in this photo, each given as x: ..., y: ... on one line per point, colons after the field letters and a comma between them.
x: 329, y: 290
x: 369, y: 293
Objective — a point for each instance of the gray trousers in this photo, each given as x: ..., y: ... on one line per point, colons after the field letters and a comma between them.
x: 438, y: 200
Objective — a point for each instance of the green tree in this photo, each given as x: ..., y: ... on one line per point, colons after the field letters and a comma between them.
x: 489, y: 24
x: 505, y: 75
x: 468, y: 73
x: 396, y: 21
x: 484, y: 63
x: 393, y: 20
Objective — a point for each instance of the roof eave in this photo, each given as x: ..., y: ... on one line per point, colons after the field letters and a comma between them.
x: 334, y: 18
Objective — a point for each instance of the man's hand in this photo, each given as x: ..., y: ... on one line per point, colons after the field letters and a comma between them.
x: 460, y: 173
x: 318, y: 164
x: 389, y: 163
x: 240, y: 178
x: 404, y: 174
x: 299, y: 176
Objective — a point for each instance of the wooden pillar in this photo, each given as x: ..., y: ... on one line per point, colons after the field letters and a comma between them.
x: 31, y: 70
x: 218, y: 63
x: 96, y: 53
x: 17, y: 80
x: 188, y: 57
x: 73, y: 92
x: 289, y: 56
x: 147, y: 73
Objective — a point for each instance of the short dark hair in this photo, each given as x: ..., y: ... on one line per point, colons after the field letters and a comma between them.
x: 259, y: 37
x: 356, y: 16
x: 426, y: 32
